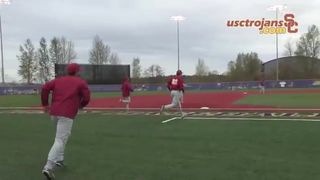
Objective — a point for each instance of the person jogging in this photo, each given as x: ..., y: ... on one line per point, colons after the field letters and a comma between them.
x: 69, y: 94
x: 175, y: 85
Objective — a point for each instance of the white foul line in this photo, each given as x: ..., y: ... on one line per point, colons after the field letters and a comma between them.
x: 253, y: 119
x: 168, y: 120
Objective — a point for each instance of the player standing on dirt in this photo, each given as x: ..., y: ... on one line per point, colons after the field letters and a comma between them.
x: 126, y: 89
x: 175, y: 85
x: 262, y: 87
x: 69, y: 93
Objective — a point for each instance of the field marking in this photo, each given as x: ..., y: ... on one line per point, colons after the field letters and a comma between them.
x: 168, y: 120
x: 185, y: 109
x: 252, y: 119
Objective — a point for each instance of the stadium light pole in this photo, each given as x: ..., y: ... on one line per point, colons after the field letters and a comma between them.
x: 178, y: 19
x: 2, y: 2
x: 277, y: 9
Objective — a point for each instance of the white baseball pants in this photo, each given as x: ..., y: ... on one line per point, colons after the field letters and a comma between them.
x: 176, y: 99
x: 63, y: 131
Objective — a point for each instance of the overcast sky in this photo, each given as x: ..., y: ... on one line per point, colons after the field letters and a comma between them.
x: 142, y: 28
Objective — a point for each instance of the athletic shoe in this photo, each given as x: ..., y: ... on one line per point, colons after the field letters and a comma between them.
x: 48, y: 173
x: 60, y: 164
x: 161, y: 109
x: 183, y: 115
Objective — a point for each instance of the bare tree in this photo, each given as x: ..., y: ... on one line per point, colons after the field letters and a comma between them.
x: 202, y: 69
x: 45, y: 65
x: 214, y: 72
x: 159, y: 70
x: 114, y: 58
x: 309, y: 43
x: 62, y: 51
x: 55, y: 51
x: 100, y: 52
x: 136, y: 68
x: 67, y: 51
x: 289, y: 48
x: 154, y: 71
x: 28, y: 62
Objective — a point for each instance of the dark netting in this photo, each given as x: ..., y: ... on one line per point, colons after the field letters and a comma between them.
x: 98, y: 74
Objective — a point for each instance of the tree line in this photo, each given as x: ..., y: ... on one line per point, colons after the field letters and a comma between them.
x: 308, y: 44
x: 248, y: 66
x: 37, y: 65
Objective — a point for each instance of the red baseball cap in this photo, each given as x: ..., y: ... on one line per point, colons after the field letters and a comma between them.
x: 73, y: 68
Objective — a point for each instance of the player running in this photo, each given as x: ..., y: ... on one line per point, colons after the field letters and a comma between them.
x: 126, y: 89
x: 175, y: 85
x: 69, y: 93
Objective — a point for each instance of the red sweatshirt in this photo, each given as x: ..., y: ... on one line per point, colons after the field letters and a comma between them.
x: 175, y: 83
x: 69, y: 93
x: 126, y: 88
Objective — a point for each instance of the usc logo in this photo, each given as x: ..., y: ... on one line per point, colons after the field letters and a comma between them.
x: 265, y: 26
x: 290, y: 26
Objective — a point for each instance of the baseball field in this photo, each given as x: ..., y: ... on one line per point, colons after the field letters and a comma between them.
x: 278, y: 98
x: 109, y: 143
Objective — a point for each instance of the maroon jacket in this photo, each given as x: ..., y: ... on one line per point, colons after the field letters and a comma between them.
x: 175, y: 83
x: 126, y: 88
x: 69, y: 93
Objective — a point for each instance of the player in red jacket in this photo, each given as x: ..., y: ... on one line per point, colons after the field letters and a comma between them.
x: 175, y: 85
x: 126, y: 89
x: 262, y: 86
x: 69, y: 94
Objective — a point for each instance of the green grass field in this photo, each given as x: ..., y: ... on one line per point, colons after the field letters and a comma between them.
x: 283, y: 100
x: 141, y: 148
x: 34, y: 100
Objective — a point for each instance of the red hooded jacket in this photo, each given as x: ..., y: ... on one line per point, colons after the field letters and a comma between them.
x: 126, y: 88
x: 69, y: 93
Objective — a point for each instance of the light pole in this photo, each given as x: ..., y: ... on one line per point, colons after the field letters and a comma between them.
x: 178, y: 19
x: 2, y: 2
x: 277, y: 9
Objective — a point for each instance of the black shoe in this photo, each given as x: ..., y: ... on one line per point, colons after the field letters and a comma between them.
x: 48, y: 173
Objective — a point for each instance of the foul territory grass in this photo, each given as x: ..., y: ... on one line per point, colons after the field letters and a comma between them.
x: 19, y: 100
x: 142, y: 148
x: 283, y: 100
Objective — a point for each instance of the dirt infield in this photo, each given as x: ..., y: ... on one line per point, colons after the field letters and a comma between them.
x: 192, y: 99
x: 220, y: 104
